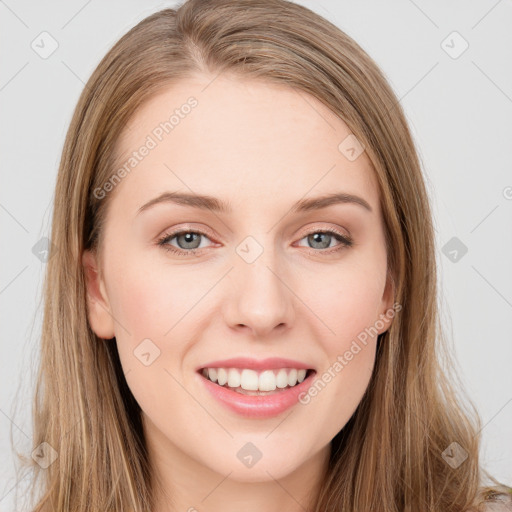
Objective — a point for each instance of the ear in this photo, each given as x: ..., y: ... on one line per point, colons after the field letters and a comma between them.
x: 98, y: 306
x: 387, y: 311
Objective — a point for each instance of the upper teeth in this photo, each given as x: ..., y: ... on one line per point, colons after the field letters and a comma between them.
x: 250, y: 380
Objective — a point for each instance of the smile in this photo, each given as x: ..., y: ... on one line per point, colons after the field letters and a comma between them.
x: 256, y: 394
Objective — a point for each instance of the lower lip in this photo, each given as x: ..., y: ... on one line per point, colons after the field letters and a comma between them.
x: 261, y: 406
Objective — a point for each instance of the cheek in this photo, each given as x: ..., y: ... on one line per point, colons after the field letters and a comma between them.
x: 147, y: 301
x: 348, y: 301
x: 349, y: 305
x: 151, y: 297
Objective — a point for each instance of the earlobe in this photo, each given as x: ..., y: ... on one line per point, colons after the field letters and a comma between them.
x: 98, y: 306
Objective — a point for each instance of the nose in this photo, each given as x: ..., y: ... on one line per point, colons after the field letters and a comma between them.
x: 259, y: 299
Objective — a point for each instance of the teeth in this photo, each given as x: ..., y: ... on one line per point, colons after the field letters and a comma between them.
x: 250, y: 380
x: 293, y: 377
x: 233, y: 378
x: 267, y: 381
x: 222, y: 376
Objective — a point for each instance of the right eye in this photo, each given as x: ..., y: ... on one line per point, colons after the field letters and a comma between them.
x: 188, y: 239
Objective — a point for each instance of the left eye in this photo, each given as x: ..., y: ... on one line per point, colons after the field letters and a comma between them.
x: 323, y: 239
x: 189, y: 242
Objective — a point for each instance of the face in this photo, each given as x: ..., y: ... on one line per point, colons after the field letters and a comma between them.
x: 183, y: 283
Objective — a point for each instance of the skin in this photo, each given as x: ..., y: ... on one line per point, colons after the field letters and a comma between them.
x: 261, y: 147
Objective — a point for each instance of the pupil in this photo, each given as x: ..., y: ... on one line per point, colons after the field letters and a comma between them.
x: 317, y: 238
x: 190, y: 238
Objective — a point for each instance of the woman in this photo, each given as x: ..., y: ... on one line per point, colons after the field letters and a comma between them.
x: 241, y: 313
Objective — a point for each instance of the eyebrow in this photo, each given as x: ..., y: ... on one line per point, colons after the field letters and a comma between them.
x: 205, y: 202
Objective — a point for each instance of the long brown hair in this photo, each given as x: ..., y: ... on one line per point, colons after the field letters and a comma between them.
x: 391, y: 455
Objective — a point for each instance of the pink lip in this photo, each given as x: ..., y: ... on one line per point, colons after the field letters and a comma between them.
x: 253, y: 364
x: 258, y: 406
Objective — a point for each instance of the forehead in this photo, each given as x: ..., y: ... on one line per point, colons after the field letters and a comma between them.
x: 247, y: 141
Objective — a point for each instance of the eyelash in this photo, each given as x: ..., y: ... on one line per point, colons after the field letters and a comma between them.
x: 345, y: 240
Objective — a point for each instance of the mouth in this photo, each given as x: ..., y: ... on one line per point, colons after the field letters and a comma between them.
x: 250, y: 382
x: 271, y: 391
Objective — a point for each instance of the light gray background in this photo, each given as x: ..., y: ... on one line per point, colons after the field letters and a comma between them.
x: 460, y: 113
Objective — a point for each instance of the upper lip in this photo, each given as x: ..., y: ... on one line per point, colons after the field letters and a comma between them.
x: 256, y: 364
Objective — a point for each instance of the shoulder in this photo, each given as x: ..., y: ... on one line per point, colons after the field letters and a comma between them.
x: 495, y: 507
x: 492, y: 500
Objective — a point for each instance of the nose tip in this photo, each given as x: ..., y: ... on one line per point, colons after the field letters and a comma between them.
x: 260, y: 299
